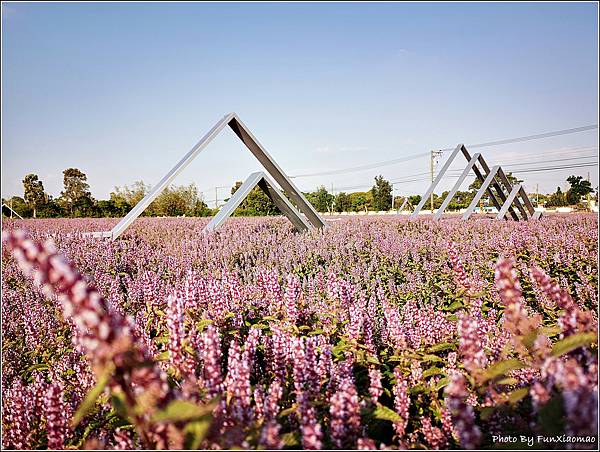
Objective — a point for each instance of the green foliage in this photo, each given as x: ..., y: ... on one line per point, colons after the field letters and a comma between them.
x: 76, y: 196
x: 257, y: 203
x: 34, y: 194
x: 382, y: 194
x: 321, y: 200
x: 342, y: 202
x: 557, y: 199
x: 579, y: 188
x: 572, y: 342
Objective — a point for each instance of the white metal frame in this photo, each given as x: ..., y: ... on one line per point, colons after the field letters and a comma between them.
x: 463, y: 176
x: 244, y: 134
x: 268, y: 187
x: 495, y: 178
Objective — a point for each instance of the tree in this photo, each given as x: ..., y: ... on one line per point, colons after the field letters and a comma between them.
x: 382, y: 194
x: 321, y: 199
x: 360, y: 201
x: 127, y: 197
x: 579, y: 188
x: 257, y: 203
x: 76, y: 195
x: 557, y: 199
x: 414, y: 199
x: 342, y: 202
x: 34, y: 194
x: 50, y: 209
x: 18, y: 205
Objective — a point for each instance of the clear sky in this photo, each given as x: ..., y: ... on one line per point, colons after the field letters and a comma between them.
x: 122, y: 91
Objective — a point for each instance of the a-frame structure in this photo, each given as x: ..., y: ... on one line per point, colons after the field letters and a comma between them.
x: 272, y: 168
x: 405, y: 203
x: 268, y: 187
x: 506, y: 198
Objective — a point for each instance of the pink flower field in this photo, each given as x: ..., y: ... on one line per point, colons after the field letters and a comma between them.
x: 375, y: 333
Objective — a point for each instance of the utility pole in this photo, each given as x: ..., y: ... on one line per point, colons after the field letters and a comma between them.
x: 588, y: 195
x: 434, y: 155
x: 216, y: 199
x: 537, y: 195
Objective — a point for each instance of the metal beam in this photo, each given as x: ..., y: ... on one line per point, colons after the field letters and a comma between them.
x: 457, y: 185
x: 509, y: 200
x: 234, y: 122
x: 275, y: 171
x: 484, y: 187
x: 9, y: 208
x: 495, y: 184
x: 437, y: 180
x: 158, y: 188
x: 261, y: 179
x: 504, y: 179
x: 403, y: 204
x: 299, y: 221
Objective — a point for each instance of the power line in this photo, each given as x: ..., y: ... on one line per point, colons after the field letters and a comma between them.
x: 477, y: 145
x: 362, y: 167
x: 538, y: 136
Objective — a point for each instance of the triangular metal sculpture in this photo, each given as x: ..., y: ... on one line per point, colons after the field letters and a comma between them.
x: 268, y: 187
x: 405, y: 203
x: 514, y: 201
x: 244, y: 134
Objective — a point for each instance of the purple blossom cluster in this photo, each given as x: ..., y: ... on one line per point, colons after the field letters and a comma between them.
x: 373, y: 333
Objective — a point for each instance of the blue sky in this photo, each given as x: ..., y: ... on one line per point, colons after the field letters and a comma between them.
x: 122, y: 91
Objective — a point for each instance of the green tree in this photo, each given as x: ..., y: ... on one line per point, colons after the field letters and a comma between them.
x: 579, y: 188
x: 342, y: 202
x: 18, y: 205
x: 382, y: 194
x: 127, y: 197
x: 321, y: 199
x: 360, y: 201
x: 34, y: 194
x: 50, y: 209
x: 557, y: 199
x: 257, y: 203
x: 414, y: 199
x: 76, y: 195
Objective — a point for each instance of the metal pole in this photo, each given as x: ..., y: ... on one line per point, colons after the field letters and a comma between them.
x: 216, y: 199
x: 431, y: 177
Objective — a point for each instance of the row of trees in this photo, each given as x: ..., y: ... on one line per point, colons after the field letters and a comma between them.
x: 76, y: 199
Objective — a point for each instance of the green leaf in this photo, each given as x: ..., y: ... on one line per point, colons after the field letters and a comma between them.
x: 316, y: 331
x: 90, y: 399
x: 443, y: 382
x: 432, y: 371
x: 291, y: 439
x: 372, y: 360
x: 443, y: 346
x: 501, y: 368
x: 202, y: 324
x: 431, y: 358
x: 182, y: 410
x: 507, y: 381
x: 195, y: 432
x: 453, y: 307
x: 288, y: 411
x: 164, y: 356
x: 518, y: 394
x: 386, y: 414
x: 34, y: 367
x: 572, y: 342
